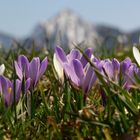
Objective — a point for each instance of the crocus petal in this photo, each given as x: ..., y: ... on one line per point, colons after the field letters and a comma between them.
x: 59, y: 69
x: 4, y: 82
x: 34, y: 70
x: 95, y: 60
x: 137, y: 71
x: 18, y: 90
x: 74, y: 54
x: 108, y: 68
x: 18, y: 71
x: 88, y: 79
x: 125, y: 64
x: 2, y: 69
x: 116, y: 65
x: 6, y: 90
x: 136, y: 54
x: 43, y: 67
x: 71, y: 74
x: 27, y: 84
x: 88, y: 53
x: 60, y: 55
x: 24, y: 64
x: 131, y: 71
x: 129, y: 77
x: 78, y: 68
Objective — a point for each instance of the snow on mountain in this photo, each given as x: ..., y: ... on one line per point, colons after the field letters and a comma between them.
x: 66, y: 29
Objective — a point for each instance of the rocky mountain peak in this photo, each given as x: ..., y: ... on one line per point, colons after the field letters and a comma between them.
x: 65, y: 29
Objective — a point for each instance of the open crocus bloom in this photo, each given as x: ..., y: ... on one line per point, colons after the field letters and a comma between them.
x: 33, y: 70
x: 77, y: 68
x: 2, y: 69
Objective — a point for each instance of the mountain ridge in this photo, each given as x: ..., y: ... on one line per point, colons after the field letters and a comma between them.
x: 67, y: 28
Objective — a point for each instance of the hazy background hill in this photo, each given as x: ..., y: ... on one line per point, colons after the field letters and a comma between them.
x: 68, y: 28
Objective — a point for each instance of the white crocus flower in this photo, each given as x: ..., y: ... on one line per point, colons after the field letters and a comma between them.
x: 58, y: 68
x: 136, y: 54
x: 2, y: 69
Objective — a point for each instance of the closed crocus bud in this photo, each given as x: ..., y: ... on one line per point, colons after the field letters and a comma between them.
x: 6, y: 90
x: 128, y: 69
x: 2, y: 69
x: 116, y: 66
x: 136, y: 54
x: 125, y: 64
x: 59, y: 69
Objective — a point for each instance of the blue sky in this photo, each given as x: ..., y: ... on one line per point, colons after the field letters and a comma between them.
x: 19, y: 17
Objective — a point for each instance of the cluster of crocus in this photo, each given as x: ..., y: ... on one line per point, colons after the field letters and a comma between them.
x: 122, y: 73
x: 76, y: 67
x: 29, y: 71
x: 82, y: 74
x: 33, y: 70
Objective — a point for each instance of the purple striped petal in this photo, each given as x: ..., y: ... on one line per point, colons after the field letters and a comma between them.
x: 18, y: 71
x: 24, y: 64
x: 60, y: 55
x: 125, y: 65
x: 34, y: 70
x: 108, y: 68
x: 78, y: 69
x: 74, y: 54
x: 27, y: 84
x: 6, y: 90
x: 129, y: 78
x: 43, y: 67
x: 71, y: 74
x: 88, y: 53
x: 18, y: 90
x: 137, y: 71
x: 88, y: 80
x: 116, y: 65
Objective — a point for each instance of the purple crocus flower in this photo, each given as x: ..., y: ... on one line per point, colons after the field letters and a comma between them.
x: 86, y: 75
x: 112, y: 69
x: 34, y: 69
x: 77, y: 68
x: 6, y: 89
x: 128, y: 70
